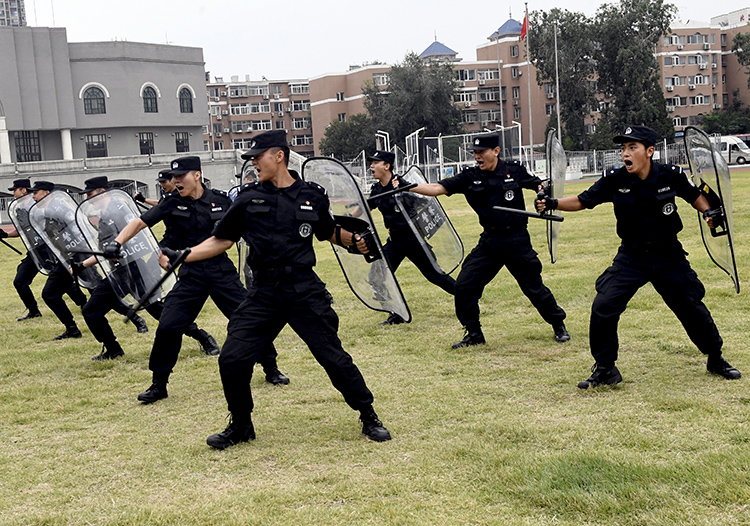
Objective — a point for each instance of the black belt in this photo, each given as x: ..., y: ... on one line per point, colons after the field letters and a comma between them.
x: 277, y: 273
x: 657, y: 246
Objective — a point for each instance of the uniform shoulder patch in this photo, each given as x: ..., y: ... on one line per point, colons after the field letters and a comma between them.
x: 248, y: 186
x: 219, y: 192
x: 317, y: 187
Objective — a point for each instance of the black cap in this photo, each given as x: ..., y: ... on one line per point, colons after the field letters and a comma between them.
x: 94, y: 183
x: 642, y: 134
x: 20, y: 183
x: 43, y: 185
x: 184, y: 165
x: 164, y: 175
x: 485, y: 141
x: 264, y: 141
x: 381, y: 155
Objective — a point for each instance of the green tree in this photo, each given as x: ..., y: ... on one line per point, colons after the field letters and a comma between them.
x: 741, y: 49
x: 577, y: 68
x: 346, y: 139
x: 627, y: 33
x: 730, y: 120
x: 419, y: 95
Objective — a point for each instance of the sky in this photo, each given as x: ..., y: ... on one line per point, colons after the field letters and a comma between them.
x: 298, y: 39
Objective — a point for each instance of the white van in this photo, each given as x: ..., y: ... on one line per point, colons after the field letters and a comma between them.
x: 734, y: 150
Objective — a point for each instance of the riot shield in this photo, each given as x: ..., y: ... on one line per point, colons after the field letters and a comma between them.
x: 431, y: 226
x: 53, y: 218
x: 371, y: 279
x: 557, y: 164
x: 101, y: 218
x: 710, y: 173
x: 18, y: 210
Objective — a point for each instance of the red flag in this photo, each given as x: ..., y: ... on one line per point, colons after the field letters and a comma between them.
x: 525, y: 26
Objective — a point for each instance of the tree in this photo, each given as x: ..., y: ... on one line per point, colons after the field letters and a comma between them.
x: 577, y: 69
x: 730, y: 120
x: 627, y: 34
x: 346, y: 139
x: 741, y: 48
x: 419, y: 95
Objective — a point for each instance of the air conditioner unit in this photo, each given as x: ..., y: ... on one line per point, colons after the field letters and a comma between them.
x: 223, y: 93
x: 265, y: 97
x: 276, y: 96
x: 692, y: 86
x: 467, y: 104
x: 717, y: 106
x: 515, y: 102
x: 218, y: 117
x: 714, y: 65
x: 482, y: 82
x: 550, y: 95
x: 520, y: 72
x: 670, y: 88
x: 225, y: 112
x: 483, y: 124
x: 218, y: 135
x: 713, y: 86
x: 703, y: 66
x: 289, y: 109
x: 706, y: 45
x: 461, y: 84
x: 226, y: 130
x: 281, y: 114
x: 680, y: 46
x: 670, y: 109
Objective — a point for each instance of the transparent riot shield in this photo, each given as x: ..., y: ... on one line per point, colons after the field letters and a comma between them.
x: 431, y: 226
x: 557, y: 164
x: 710, y: 173
x: 53, y: 218
x: 18, y: 210
x: 101, y: 218
x: 371, y: 279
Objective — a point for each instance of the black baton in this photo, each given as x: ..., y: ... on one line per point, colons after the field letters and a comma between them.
x: 535, y: 215
x: 14, y: 249
x: 133, y: 310
x: 394, y: 191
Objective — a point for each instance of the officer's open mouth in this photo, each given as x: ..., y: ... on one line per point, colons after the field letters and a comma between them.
x: 180, y: 188
x: 628, y: 163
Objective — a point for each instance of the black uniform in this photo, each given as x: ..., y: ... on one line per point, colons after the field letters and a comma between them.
x: 402, y: 242
x: 647, y: 223
x: 188, y: 222
x: 61, y: 282
x: 277, y: 224
x: 505, y: 241
x: 25, y: 274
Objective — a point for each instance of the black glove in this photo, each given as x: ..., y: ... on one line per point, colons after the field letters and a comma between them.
x: 77, y: 268
x: 550, y: 203
x: 373, y: 253
x: 112, y: 250
x: 139, y: 197
x: 716, y: 215
x: 172, y: 255
x: 3, y: 234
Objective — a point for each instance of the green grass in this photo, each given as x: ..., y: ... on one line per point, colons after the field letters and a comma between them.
x: 497, y: 434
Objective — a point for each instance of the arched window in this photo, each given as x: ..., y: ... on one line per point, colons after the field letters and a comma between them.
x: 93, y: 101
x: 149, y: 100
x: 186, y: 101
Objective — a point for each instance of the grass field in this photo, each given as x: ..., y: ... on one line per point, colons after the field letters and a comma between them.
x: 497, y: 434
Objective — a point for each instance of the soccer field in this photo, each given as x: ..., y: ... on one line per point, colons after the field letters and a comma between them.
x: 495, y: 434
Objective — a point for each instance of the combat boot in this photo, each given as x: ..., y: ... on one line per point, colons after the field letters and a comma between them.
x: 601, y: 375
x: 70, y: 332
x: 276, y: 377
x: 561, y: 333
x: 393, y: 319
x: 716, y: 364
x: 209, y: 345
x: 235, y: 433
x: 109, y: 352
x: 30, y: 315
x: 157, y: 391
x: 470, y: 338
x: 140, y: 324
x: 372, y: 427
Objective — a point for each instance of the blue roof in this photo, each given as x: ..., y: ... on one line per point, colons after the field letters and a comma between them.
x: 436, y: 48
x: 509, y: 28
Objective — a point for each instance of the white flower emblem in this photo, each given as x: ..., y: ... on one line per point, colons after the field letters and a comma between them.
x: 175, y: 165
x: 628, y: 131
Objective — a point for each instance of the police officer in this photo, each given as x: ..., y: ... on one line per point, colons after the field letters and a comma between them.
x: 166, y: 182
x: 27, y: 269
x: 505, y: 240
x: 644, y: 194
x: 277, y: 217
x: 59, y: 281
x: 189, y: 218
x: 402, y: 242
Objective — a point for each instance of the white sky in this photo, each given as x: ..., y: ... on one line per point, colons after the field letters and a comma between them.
x: 304, y: 38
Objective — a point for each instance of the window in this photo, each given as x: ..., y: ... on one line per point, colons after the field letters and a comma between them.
x: 239, y: 109
x: 342, y: 117
x: 280, y: 125
x: 340, y: 96
x: 241, y: 144
x: 300, y: 105
x: 299, y: 89
x: 186, y: 101
x: 93, y: 101
x: 466, y: 96
x: 469, y: 116
x: 259, y: 91
x: 301, y: 140
x: 590, y: 129
x: 516, y: 92
x: 241, y: 126
x: 260, y: 107
x: 218, y: 145
x: 488, y: 94
x: 300, y: 123
x: 28, y: 148
x: 149, y: 100
x: 238, y: 91
x: 549, y: 109
x: 277, y: 90
x: 488, y: 74
x: 206, y: 146
x: 514, y: 72
x: 181, y: 142
x: 380, y: 79
x: 278, y: 106
x: 517, y: 113
x: 466, y: 74
x: 217, y: 128
x: 513, y: 51
x: 261, y: 125
x: 213, y: 92
x: 96, y: 145
x: 146, y: 142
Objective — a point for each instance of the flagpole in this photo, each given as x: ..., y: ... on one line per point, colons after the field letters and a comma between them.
x: 528, y: 80
x: 557, y: 88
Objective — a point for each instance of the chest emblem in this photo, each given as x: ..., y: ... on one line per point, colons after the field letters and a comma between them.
x: 305, y: 230
x: 668, y: 209
x: 257, y: 201
x: 217, y: 209
x: 306, y: 207
x: 509, y: 195
x: 181, y: 207
x: 624, y: 190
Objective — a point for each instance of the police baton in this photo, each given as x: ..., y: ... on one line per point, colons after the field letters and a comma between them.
x: 173, y: 265
x: 89, y: 253
x: 14, y: 249
x: 535, y: 215
x: 400, y: 189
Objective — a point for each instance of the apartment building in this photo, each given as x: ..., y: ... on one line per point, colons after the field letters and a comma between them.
x: 12, y: 13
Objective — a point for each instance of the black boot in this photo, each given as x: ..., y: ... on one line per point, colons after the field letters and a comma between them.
x: 235, y: 433
x: 393, y: 319
x: 470, y: 338
x: 275, y: 377
x: 140, y: 324
x: 209, y: 345
x: 601, y: 375
x: 718, y: 365
x: 372, y: 427
x: 32, y: 314
x: 110, y: 351
x: 561, y: 333
x: 70, y: 332
x: 157, y: 391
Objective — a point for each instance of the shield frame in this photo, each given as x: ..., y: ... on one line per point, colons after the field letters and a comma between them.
x: 556, y: 167
x: 39, y: 252
x: 387, y: 298
x: 132, y: 289
x: 717, y: 170
x: 442, y: 260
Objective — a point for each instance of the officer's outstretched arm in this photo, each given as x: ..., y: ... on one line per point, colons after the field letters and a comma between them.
x: 568, y: 204
x: 213, y: 246
x: 433, y: 189
x: 130, y: 230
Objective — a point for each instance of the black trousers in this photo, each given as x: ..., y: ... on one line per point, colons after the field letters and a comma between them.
x: 60, y: 282
x: 25, y: 274
x: 512, y: 249
x: 402, y: 245
x: 298, y: 298
x: 669, y: 272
